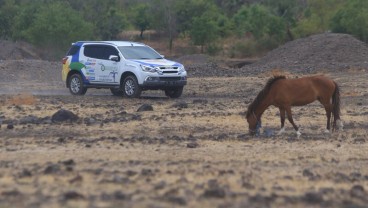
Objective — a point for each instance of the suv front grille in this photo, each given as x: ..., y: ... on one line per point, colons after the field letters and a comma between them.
x: 168, y: 67
x: 170, y: 78
x: 170, y: 72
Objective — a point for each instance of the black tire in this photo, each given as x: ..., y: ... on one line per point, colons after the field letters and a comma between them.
x: 117, y: 92
x: 130, y: 87
x: 76, y: 85
x: 174, y: 92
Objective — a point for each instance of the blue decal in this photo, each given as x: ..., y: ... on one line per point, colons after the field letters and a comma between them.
x: 75, y: 57
x: 154, y: 65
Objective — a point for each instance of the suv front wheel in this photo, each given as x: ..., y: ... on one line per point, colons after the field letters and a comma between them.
x: 76, y: 85
x: 131, y: 89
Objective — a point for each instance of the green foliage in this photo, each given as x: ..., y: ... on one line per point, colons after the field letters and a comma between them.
x: 352, y: 19
x: 141, y: 17
x: 252, y: 26
x: 47, y: 25
x: 208, y: 27
x: 317, y: 16
x: 7, y: 13
x: 187, y: 10
x: 107, y: 19
x: 258, y: 21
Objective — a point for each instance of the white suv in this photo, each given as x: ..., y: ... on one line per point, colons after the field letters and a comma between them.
x: 126, y: 68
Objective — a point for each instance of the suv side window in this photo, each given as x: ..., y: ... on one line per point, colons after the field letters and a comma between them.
x: 73, y: 50
x: 100, y: 51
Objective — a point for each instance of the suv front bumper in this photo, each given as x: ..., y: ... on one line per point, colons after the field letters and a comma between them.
x: 164, y: 82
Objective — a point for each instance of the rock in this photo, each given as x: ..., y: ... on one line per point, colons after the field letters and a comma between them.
x: 214, y: 193
x: 192, y: 145
x: 177, y: 200
x: 307, y: 173
x: 180, y: 105
x: 200, y: 101
x: 53, y: 168
x: 29, y: 120
x: 72, y: 195
x: 10, y: 126
x: 13, y: 193
x: 89, y: 121
x: 357, y: 191
x: 25, y: 173
x: 313, y: 198
x: 64, y: 116
x: 68, y: 162
x: 145, y: 107
x: 76, y: 179
x: 160, y: 185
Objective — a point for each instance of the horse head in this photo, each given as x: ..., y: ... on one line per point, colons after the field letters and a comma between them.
x: 254, y: 124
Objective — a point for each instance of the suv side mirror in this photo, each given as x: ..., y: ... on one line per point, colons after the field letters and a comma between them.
x: 114, y: 58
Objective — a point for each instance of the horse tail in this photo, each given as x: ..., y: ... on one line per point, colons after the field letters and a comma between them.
x: 336, y: 105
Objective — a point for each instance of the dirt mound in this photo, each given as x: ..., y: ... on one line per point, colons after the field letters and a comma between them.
x: 17, y: 50
x: 33, y: 71
x: 322, y: 52
x: 194, y: 59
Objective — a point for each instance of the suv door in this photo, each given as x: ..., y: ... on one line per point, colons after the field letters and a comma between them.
x: 99, y: 68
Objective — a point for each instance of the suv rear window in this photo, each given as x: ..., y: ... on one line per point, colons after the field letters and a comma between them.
x: 100, y: 51
x: 73, y: 50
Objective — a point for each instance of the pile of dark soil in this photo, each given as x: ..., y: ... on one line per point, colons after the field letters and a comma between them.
x: 327, y: 52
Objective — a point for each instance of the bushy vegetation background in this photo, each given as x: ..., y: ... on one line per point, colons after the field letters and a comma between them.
x: 244, y: 27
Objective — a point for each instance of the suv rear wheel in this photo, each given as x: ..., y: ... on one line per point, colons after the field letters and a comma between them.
x: 76, y: 86
x: 131, y: 88
x: 174, y: 92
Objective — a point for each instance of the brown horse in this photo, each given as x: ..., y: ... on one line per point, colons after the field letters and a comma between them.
x: 284, y: 93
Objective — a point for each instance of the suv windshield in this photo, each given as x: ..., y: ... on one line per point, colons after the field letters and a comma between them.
x: 139, y: 52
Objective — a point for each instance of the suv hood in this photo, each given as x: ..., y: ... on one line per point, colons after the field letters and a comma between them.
x: 156, y: 62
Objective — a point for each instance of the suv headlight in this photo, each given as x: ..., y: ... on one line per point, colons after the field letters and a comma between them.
x: 181, y: 70
x: 148, y: 68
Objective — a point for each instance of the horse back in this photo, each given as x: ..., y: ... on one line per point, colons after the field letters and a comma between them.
x: 302, y: 91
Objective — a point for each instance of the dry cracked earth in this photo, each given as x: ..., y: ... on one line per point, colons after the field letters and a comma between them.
x: 193, y: 151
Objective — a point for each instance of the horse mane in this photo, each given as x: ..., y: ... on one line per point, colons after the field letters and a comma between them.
x: 262, y: 94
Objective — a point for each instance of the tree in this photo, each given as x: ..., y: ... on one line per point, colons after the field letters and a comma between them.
x: 107, y: 18
x: 317, y: 17
x: 187, y: 10
x: 8, y: 10
x: 46, y: 25
x: 141, y: 17
x: 257, y: 20
x: 352, y: 19
x: 164, y: 18
x: 204, y: 30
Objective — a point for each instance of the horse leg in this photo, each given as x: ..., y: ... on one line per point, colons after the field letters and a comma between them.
x: 290, y: 118
x: 282, y: 117
x: 328, y: 108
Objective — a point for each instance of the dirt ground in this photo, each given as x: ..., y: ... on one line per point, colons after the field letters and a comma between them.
x: 194, y: 151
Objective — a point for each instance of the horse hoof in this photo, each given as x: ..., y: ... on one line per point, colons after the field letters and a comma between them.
x: 281, y: 131
x: 298, y: 134
x: 326, y: 131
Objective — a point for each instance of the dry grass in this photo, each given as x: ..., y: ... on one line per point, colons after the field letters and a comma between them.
x: 21, y: 99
